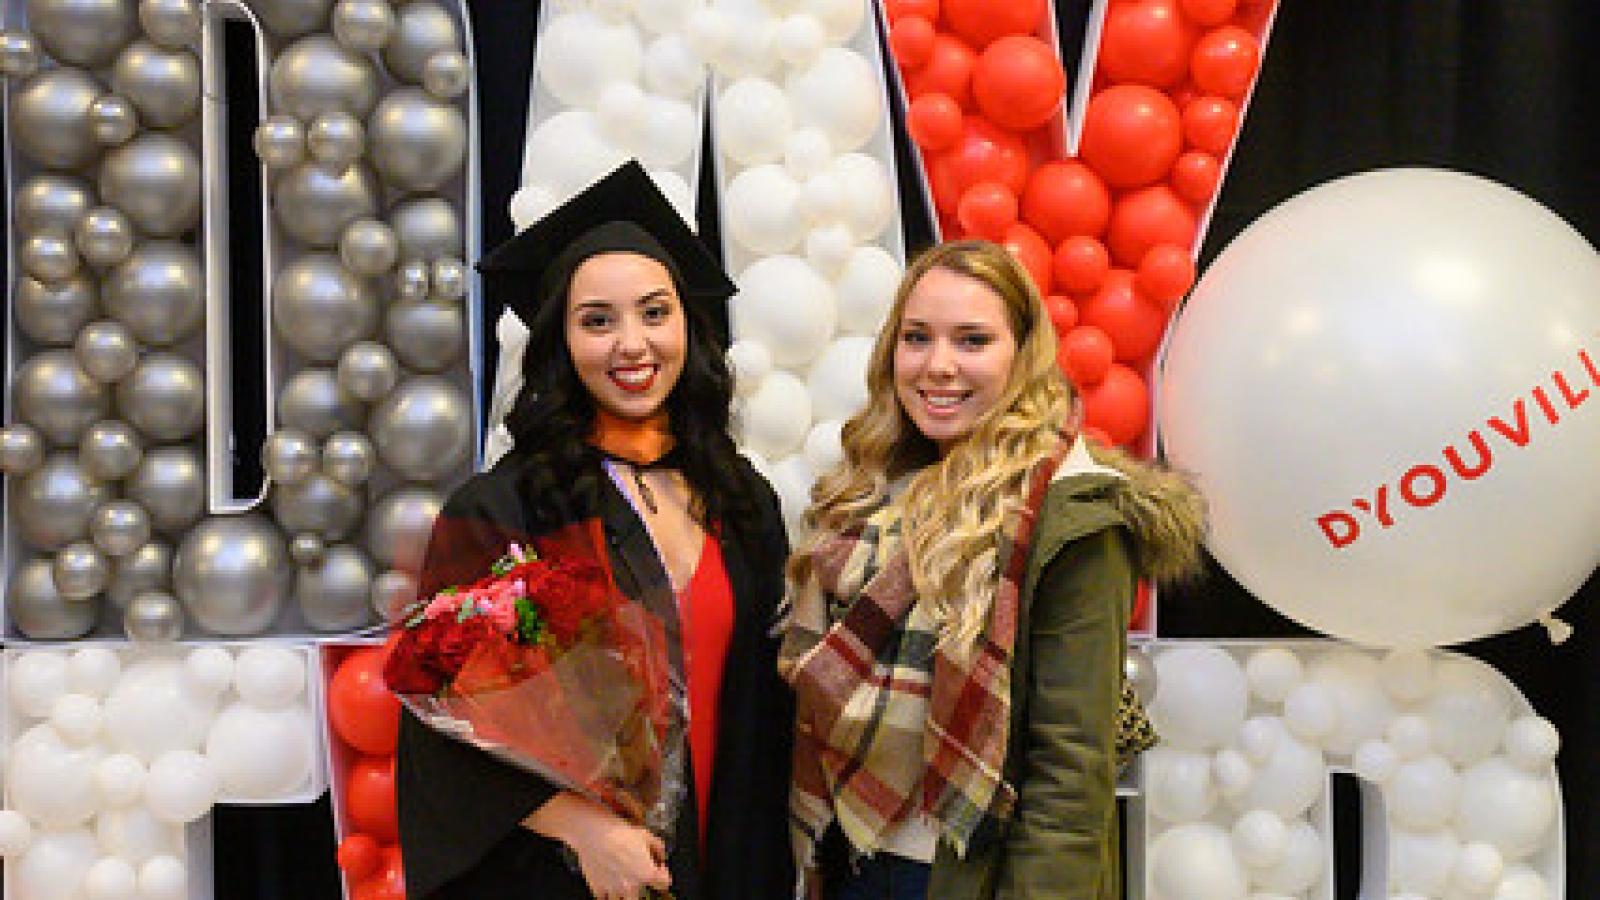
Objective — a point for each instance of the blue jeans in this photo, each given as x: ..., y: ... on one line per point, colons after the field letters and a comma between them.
x: 885, y: 876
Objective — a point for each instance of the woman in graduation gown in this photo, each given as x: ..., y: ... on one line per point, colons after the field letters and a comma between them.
x: 622, y: 421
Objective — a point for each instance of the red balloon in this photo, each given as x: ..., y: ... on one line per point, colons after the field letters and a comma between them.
x: 1119, y: 405
x: 1134, y: 324
x: 1062, y: 311
x: 1195, y: 176
x: 911, y: 38
x: 981, y: 22
x: 1147, y: 42
x: 1131, y: 135
x: 986, y: 210
x: 1209, y: 12
x: 369, y: 797
x: 360, y: 855
x: 1081, y: 264
x: 1209, y: 124
x: 1225, y: 61
x: 1018, y: 82
x: 1030, y: 250
x: 1165, y: 274
x: 984, y: 152
x: 1066, y: 198
x: 1085, y: 354
x: 388, y: 884
x: 948, y: 71
x: 1147, y: 217
x: 360, y: 708
x: 895, y: 10
x: 934, y: 121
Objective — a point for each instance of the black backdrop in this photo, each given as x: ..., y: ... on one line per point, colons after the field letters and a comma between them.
x: 1503, y: 89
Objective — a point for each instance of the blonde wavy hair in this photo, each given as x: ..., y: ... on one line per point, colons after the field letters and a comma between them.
x: 953, y: 507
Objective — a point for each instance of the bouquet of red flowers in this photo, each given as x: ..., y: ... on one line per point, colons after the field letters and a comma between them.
x: 546, y: 665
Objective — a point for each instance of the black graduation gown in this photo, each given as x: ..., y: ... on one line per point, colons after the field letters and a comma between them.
x: 460, y: 809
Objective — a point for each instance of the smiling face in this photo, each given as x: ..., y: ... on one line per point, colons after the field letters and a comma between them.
x: 952, y: 354
x: 626, y: 332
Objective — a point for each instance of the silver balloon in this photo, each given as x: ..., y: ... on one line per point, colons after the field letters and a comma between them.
x: 80, y: 571
x: 164, y: 397
x: 107, y: 351
x: 423, y: 29
x: 51, y: 200
x: 39, y: 611
x: 21, y: 449
x: 1139, y: 671
x: 19, y: 54
x: 289, y: 456
x: 232, y: 574
x: 51, y: 507
x: 368, y: 247
x: 49, y: 256
x: 158, y: 292
x: 313, y: 402
x: 368, y: 370
x: 423, y: 429
x: 417, y: 141
x: 335, y: 140
x: 82, y: 32
x: 427, y: 228
x: 349, y: 458
x: 120, y: 527
x: 104, y: 236
x: 292, y: 18
x: 155, y: 179
x: 153, y: 617
x: 320, y: 307
x: 307, y: 548
x: 363, y: 25
x: 392, y: 595
x: 163, y: 84
x: 449, y: 279
x: 148, y: 568
x: 50, y: 118
x: 170, y: 484
x: 110, y: 450
x: 317, y: 504
x: 280, y: 142
x: 334, y: 592
x: 426, y: 336
x: 170, y: 23
x: 113, y: 120
x: 53, y: 394
x: 314, y: 205
x: 398, y: 527
x: 53, y: 314
x: 446, y: 74
x: 315, y: 75
x: 411, y: 281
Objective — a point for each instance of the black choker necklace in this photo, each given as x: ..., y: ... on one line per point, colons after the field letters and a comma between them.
x: 665, y: 461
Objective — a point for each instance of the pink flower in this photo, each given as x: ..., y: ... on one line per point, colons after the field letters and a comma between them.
x: 444, y: 603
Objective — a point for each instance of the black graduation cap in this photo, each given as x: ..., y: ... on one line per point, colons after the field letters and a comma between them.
x: 624, y: 211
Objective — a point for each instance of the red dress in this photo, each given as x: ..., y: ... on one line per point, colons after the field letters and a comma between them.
x: 705, y: 611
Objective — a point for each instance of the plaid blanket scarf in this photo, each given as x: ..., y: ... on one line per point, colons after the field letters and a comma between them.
x: 888, y: 722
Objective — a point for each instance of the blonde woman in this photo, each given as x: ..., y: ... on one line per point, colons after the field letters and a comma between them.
x: 957, y: 615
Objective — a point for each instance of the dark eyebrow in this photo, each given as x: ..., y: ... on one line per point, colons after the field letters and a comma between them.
x: 608, y: 303
x: 959, y: 326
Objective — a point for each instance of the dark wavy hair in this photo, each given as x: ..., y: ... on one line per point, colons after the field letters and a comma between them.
x: 554, y: 414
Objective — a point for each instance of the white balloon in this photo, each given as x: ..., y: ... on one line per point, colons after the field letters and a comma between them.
x: 269, y: 677
x: 1289, y: 782
x: 1531, y: 743
x: 119, y: 780
x: 671, y: 69
x: 16, y: 833
x: 163, y: 878
x: 838, y: 378
x: 1304, y: 859
x: 798, y: 39
x: 567, y: 153
x: 135, y: 834
x: 1410, y: 736
x: 1233, y: 772
x: 1505, y: 806
x: 664, y: 16
x: 671, y: 132
x: 822, y: 198
x: 777, y: 416
x: 676, y: 190
x: 620, y: 112
x: 49, y: 780
x: 823, y: 448
x: 753, y: 121
x: 152, y: 710
x: 1178, y: 786
x: 1423, y: 793
x: 181, y: 786
x: 1420, y: 862
x: 1522, y: 883
x: 1354, y: 686
x: 110, y: 878
x: 208, y: 670
x: 261, y: 754
x: 1376, y: 761
x: 1195, y: 861
x: 750, y: 362
x: 1381, y: 325
x: 1478, y: 868
x: 1407, y: 674
x: 1310, y: 713
x: 841, y: 19
x: 581, y: 53
x: 53, y: 867
x: 872, y: 205
x: 1200, y: 697
x: 866, y: 289
x: 841, y: 93
x: 750, y: 46
x: 35, y: 680
x: 708, y: 34
x: 1258, y: 737
x: 762, y: 209
x: 77, y: 718
x: 1469, y: 710
x: 529, y: 203
x: 93, y: 671
x: 785, y: 305
x: 807, y: 151
x: 1273, y: 672
x: 829, y: 247
x: 1260, y: 838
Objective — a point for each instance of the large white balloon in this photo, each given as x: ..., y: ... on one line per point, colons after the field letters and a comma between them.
x: 839, y: 92
x: 784, y: 304
x: 152, y: 710
x: 50, y: 780
x: 1383, y: 386
x: 763, y: 210
x: 581, y: 53
x: 1201, y: 697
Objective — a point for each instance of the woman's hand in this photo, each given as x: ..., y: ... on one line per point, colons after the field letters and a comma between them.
x: 618, y: 860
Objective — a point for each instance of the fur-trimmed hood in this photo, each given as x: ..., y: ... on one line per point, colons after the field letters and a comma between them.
x: 1160, y: 506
